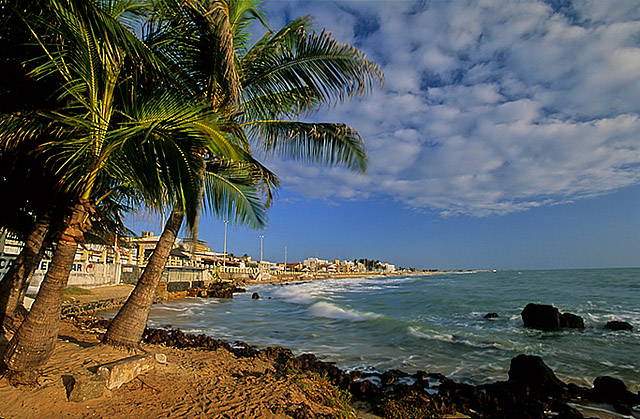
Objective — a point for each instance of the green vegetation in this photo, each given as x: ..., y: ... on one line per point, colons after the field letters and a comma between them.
x: 320, y: 389
x: 156, y: 104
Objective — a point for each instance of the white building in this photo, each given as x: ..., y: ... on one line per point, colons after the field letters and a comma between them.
x: 314, y: 262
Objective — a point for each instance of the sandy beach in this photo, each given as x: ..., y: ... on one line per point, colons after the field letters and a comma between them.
x: 192, y: 383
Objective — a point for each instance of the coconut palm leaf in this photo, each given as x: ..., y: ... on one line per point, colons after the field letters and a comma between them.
x: 235, y: 190
x: 325, y: 143
x: 294, y: 59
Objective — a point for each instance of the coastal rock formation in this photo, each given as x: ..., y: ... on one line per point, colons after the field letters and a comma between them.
x: 547, y: 318
x: 571, y: 321
x: 74, y: 308
x: 532, y: 372
x: 491, y: 316
x: 611, y: 390
x: 215, y: 290
x: 618, y: 325
x: 532, y: 389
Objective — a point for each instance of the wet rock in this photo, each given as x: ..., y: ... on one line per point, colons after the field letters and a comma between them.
x: 571, y: 321
x: 618, y: 325
x: 546, y: 317
x: 532, y: 372
x: 541, y: 317
x: 491, y: 316
x: 365, y: 390
x: 612, y: 390
x: 255, y: 296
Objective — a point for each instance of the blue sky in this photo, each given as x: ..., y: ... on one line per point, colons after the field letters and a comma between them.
x: 506, y: 136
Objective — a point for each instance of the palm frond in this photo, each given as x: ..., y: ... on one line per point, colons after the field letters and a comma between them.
x: 231, y: 190
x: 325, y: 143
x: 294, y: 58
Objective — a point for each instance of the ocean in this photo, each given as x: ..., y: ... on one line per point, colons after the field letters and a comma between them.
x: 434, y: 323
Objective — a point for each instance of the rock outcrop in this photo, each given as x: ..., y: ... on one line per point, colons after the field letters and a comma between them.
x: 618, y: 325
x: 547, y: 318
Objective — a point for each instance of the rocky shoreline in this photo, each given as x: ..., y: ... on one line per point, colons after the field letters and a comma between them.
x: 532, y: 390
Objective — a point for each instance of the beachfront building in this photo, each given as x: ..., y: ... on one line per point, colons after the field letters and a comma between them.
x: 314, y: 262
x: 388, y: 268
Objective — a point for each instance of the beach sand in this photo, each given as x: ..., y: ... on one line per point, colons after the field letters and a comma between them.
x: 193, y: 383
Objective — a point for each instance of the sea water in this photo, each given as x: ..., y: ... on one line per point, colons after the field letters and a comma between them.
x: 434, y: 322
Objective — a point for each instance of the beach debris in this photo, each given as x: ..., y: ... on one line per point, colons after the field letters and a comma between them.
x: 546, y: 317
x: 618, y: 325
x: 122, y: 371
x: 82, y: 388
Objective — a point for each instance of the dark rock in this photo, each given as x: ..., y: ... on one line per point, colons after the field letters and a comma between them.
x: 491, y: 316
x: 365, y: 390
x: 571, y: 321
x: 618, y: 325
x: 546, y: 317
x: 541, y: 317
x: 255, y: 296
x: 562, y: 410
x: 612, y: 390
x: 531, y: 371
x: 623, y: 410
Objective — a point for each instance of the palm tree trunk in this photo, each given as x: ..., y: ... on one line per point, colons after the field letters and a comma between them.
x: 128, y: 325
x: 16, y: 281
x: 33, y: 343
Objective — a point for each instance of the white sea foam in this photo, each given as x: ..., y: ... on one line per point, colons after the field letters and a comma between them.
x: 331, y: 311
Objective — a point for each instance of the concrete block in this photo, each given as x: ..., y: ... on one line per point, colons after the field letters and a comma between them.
x: 119, y: 372
x: 83, y: 388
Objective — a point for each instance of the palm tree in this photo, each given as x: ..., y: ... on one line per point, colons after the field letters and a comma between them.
x: 285, y: 74
x: 109, y: 133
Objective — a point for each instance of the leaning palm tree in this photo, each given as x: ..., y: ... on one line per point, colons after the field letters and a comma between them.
x: 109, y: 133
x: 285, y: 74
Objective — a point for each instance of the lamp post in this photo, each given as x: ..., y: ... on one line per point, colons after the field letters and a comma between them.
x: 261, y: 237
x: 224, y: 249
x: 285, y: 259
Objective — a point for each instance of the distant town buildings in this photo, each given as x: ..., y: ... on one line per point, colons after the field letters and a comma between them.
x: 126, y: 258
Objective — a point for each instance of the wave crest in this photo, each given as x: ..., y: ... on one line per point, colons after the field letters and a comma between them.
x: 331, y: 311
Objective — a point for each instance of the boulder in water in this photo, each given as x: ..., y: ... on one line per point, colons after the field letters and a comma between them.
x: 546, y: 317
x: 541, y: 317
x: 571, y: 321
x: 491, y: 316
x: 618, y: 325
x: 255, y: 296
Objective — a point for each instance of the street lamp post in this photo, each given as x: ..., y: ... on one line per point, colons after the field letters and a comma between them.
x: 261, y: 237
x: 285, y: 260
x: 224, y: 250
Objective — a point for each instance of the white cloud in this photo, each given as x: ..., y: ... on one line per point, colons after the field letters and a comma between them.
x: 489, y: 107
